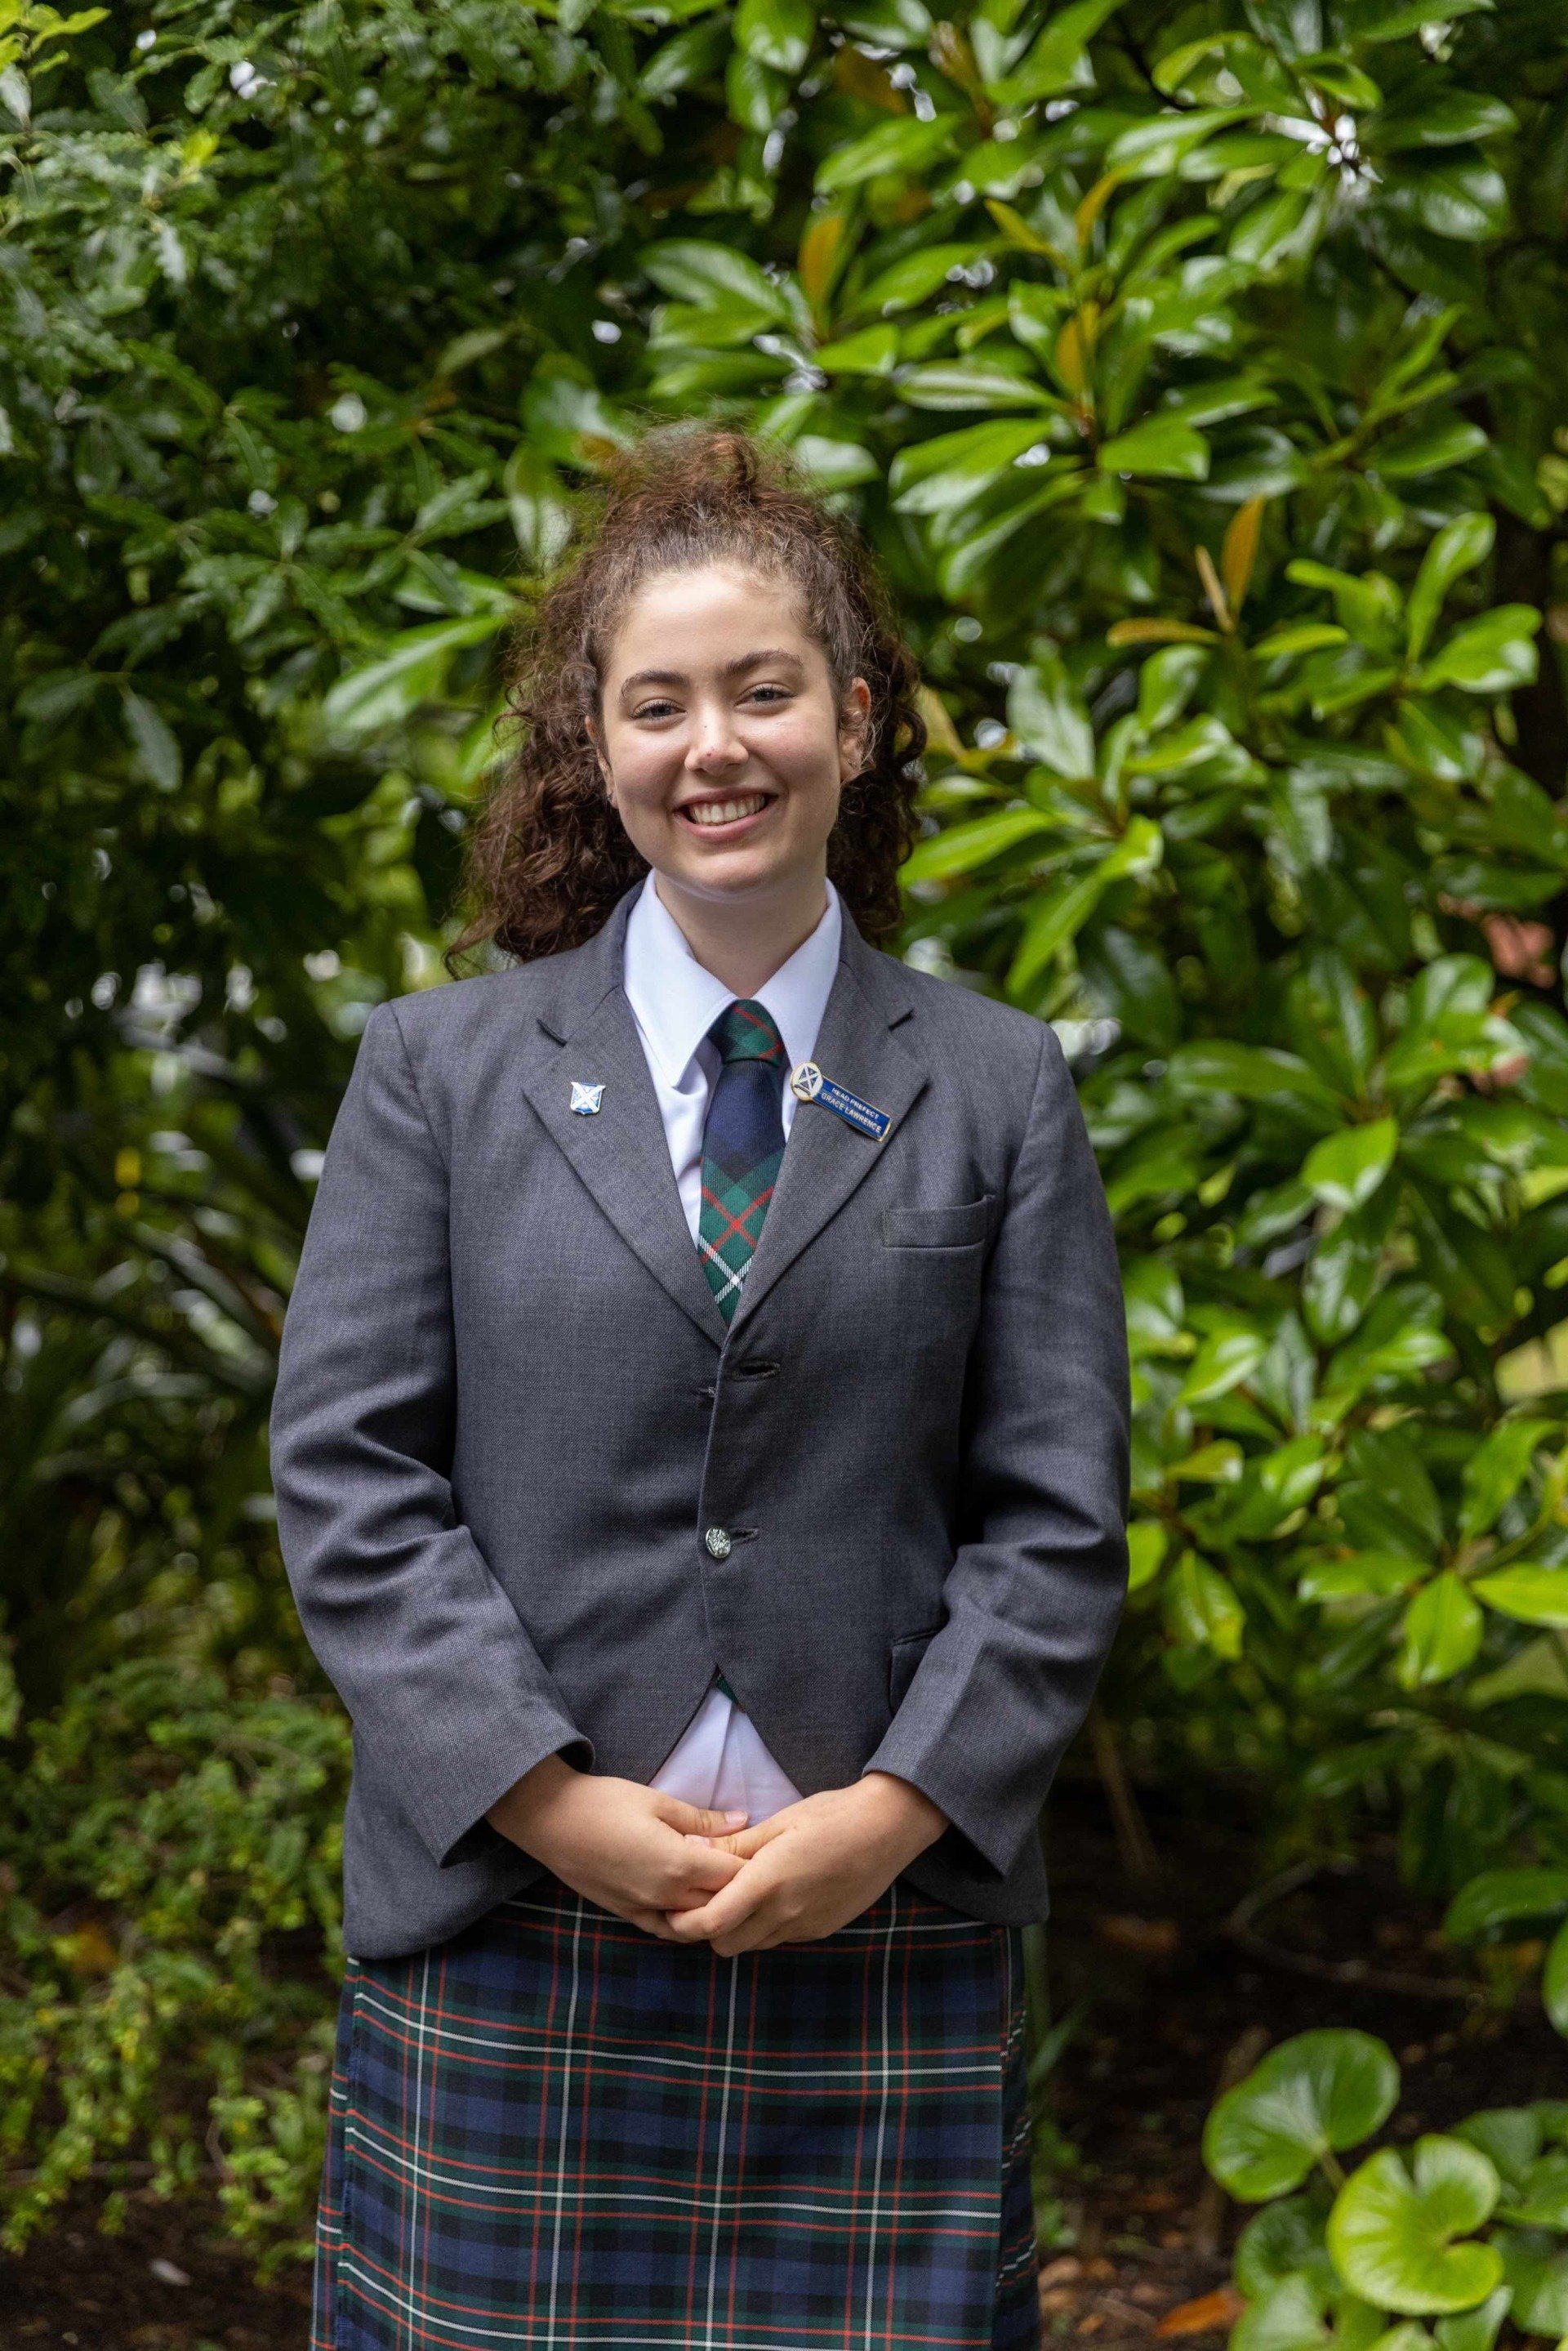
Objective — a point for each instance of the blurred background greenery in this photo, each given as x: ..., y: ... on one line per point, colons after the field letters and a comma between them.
x: 1201, y: 372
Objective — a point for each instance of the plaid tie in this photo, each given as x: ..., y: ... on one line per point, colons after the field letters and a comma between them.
x: 742, y: 1142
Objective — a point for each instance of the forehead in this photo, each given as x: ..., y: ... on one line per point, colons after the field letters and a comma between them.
x: 709, y: 612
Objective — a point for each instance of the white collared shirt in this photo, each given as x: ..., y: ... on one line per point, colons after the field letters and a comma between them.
x: 719, y: 1760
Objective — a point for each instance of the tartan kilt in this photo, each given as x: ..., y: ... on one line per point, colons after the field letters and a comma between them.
x: 555, y: 2132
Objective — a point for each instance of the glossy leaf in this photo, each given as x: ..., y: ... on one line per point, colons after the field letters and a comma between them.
x: 1313, y: 2095
x: 1495, y: 1469
x: 1489, y: 655
x: 1499, y: 1897
x: 1441, y: 1634
x: 1049, y: 721
x: 1397, y: 2234
x: 1161, y: 446
x: 1533, y: 1595
x: 1344, y: 1170
x: 964, y: 847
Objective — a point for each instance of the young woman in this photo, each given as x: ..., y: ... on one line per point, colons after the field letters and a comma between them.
x: 700, y: 1448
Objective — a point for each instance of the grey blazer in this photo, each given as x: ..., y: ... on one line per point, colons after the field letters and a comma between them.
x: 532, y: 1493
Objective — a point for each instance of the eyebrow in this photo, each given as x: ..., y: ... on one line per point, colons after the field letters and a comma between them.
x: 731, y: 669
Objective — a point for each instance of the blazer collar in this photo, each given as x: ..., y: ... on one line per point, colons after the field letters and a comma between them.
x: 587, y: 1032
x: 676, y: 998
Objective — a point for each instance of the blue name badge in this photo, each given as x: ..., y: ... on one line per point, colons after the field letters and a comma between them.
x: 808, y: 1084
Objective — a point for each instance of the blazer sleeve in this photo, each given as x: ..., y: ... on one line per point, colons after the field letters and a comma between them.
x: 1034, y: 1593
x: 448, y: 1697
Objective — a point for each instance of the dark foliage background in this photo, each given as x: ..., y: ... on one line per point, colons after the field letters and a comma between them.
x: 1201, y: 372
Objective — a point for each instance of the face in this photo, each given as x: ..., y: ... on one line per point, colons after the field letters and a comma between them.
x: 722, y: 740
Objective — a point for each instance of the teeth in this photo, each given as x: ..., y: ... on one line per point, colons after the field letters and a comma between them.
x: 725, y: 811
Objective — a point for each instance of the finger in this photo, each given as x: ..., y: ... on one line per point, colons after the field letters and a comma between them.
x: 778, y: 1925
x: 758, y: 1933
x: 730, y: 1947
x: 654, y: 1921
x: 793, y: 1932
x: 635, y: 1914
x: 690, y: 1898
x: 685, y: 1922
x: 729, y: 1909
x: 693, y: 1926
x: 705, y: 1867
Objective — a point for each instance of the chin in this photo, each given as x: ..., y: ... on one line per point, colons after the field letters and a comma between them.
x: 718, y: 881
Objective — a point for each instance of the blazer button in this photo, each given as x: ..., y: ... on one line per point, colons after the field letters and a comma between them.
x: 718, y: 1541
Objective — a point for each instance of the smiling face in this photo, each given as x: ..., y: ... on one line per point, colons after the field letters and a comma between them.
x: 720, y: 735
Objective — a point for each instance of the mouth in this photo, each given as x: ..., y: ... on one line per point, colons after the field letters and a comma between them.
x: 724, y: 817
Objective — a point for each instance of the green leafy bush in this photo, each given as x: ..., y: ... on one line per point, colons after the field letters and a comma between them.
x: 1466, y: 2229
x: 169, y: 1895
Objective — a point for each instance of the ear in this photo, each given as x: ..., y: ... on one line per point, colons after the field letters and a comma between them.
x: 593, y: 735
x: 854, y: 729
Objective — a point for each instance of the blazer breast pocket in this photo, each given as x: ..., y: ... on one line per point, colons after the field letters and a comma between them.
x: 903, y: 1656
x: 963, y: 1225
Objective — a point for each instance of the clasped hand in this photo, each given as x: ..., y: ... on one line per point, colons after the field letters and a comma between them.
x: 688, y: 1875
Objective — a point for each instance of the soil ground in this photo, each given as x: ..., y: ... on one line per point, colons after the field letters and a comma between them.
x: 1168, y: 1999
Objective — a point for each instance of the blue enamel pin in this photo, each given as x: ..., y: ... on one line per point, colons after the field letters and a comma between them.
x: 585, y: 1099
x: 808, y: 1084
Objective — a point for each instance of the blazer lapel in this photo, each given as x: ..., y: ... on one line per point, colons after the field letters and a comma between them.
x: 589, y: 1034
x: 825, y: 1158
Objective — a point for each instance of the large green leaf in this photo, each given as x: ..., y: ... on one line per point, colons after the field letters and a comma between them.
x: 1256, y: 1074
x: 1489, y: 655
x: 1401, y: 2237
x: 1441, y: 1633
x: 1160, y: 444
x: 1062, y: 913
x: 1049, y: 720
x: 1499, y: 1897
x: 777, y: 33
x: 1304, y: 2313
x: 157, y: 745
x: 1344, y: 1170
x: 1055, y: 61
x: 1534, y: 1595
x: 1455, y: 549
x: 957, y: 467
x: 698, y: 272
x: 388, y: 689
x: 904, y: 146
x: 1201, y: 1609
x: 964, y: 847
x: 1314, y: 2095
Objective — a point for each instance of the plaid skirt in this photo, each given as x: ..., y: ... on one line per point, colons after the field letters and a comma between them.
x: 557, y: 2131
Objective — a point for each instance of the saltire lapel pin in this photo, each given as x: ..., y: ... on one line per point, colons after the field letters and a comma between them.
x: 585, y: 1099
x: 808, y: 1084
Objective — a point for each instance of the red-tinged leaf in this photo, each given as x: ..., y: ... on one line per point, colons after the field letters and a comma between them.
x: 1207, y: 2312
x: 1238, y: 554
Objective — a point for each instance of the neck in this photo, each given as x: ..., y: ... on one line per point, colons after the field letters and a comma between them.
x: 744, y: 942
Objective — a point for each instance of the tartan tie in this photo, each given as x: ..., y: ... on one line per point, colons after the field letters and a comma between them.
x: 742, y: 1142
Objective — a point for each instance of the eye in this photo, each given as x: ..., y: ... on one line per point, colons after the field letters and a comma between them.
x: 659, y: 707
x: 772, y: 693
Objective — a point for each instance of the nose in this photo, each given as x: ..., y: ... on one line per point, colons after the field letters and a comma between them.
x: 716, y: 742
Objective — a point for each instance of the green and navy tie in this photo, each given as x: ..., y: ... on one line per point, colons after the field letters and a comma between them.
x: 742, y: 1143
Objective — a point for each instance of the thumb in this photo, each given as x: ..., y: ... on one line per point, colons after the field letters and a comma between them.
x: 747, y: 1842
x: 694, y: 1819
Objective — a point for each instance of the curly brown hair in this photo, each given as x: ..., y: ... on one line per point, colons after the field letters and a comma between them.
x: 548, y: 856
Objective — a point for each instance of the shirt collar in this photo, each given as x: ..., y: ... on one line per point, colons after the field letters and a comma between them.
x: 676, y: 1000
